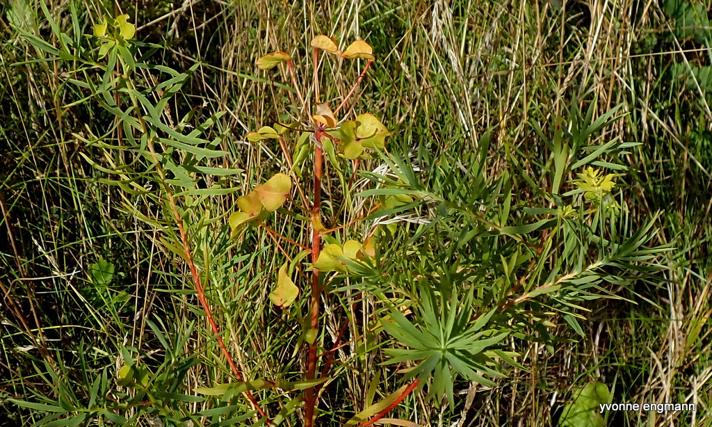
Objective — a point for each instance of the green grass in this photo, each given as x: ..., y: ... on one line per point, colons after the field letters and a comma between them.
x: 491, y: 106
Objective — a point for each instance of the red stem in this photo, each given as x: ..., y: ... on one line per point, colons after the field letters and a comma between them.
x: 206, y: 307
x: 392, y: 406
x: 353, y: 88
x: 329, y: 356
x: 310, y: 393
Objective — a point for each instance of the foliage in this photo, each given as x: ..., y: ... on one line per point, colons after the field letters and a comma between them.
x: 447, y: 206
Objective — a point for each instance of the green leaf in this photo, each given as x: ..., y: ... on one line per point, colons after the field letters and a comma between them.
x: 217, y: 390
x: 105, y: 48
x: 101, y: 272
x: 584, y: 411
x: 515, y: 230
x: 125, y: 376
x: 273, y: 59
x: 42, y: 407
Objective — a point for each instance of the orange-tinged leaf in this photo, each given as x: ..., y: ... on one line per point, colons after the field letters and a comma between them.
x: 369, y: 247
x: 325, y: 43
x: 273, y: 59
x: 286, y: 291
x: 254, y: 137
x: 358, y: 49
x: 273, y: 193
x: 320, y: 119
x: 325, y: 116
x: 316, y: 222
x: 280, y: 182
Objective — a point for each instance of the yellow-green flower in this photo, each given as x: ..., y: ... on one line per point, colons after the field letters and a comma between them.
x: 594, y: 185
x: 113, y: 31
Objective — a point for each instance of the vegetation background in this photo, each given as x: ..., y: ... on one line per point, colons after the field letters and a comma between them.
x: 92, y: 277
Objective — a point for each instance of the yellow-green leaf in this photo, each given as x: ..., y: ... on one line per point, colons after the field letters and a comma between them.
x: 273, y: 59
x: 371, y: 131
x: 286, y: 291
x: 273, y: 193
x: 310, y: 335
x: 254, y: 137
x: 265, y: 132
x: 352, y: 150
x: 351, y: 249
x: 237, y: 219
x: 268, y: 132
x: 125, y: 376
x: 358, y: 49
x: 376, y: 407
x: 100, y: 28
x: 250, y: 204
x: 329, y: 258
x: 218, y: 390
x: 126, y: 29
x: 347, y: 132
x: 397, y: 200
x: 325, y: 43
x: 280, y: 129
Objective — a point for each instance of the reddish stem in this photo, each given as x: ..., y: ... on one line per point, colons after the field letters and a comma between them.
x: 310, y: 393
x: 329, y: 356
x: 353, y: 88
x: 206, y: 306
x: 392, y: 406
x: 293, y: 76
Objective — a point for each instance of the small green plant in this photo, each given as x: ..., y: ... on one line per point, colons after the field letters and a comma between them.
x: 584, y: 409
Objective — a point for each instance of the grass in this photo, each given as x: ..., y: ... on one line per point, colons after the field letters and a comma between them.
x: 482, y: 99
